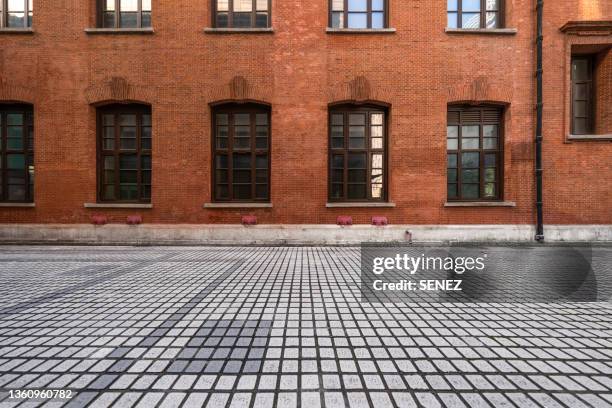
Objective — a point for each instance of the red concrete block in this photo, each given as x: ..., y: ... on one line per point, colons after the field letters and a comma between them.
x: 134, y: 219
x: 344, y: 220
x: 249, y: 220
x: 99, y: 219
x: 380, y: 221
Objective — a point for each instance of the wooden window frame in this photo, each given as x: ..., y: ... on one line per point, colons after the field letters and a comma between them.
x: 345, y: 14
x: 590, y: 98
x: 27, y: 150
x: 368, y: 110
x: 117, y: 152
x: 499, y: 152
x: 230, y: 15
x: 27, y: 18
x: 117, y: 12
x: 501, y: 14
x: 232, y: 109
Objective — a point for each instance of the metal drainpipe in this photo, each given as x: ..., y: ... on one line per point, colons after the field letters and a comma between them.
x: 539, y: 194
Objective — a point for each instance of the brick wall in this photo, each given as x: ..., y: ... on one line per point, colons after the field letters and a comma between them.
x: 299, y: 70
x: 603, y: 102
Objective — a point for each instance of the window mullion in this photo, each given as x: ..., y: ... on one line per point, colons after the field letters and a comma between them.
x: 483, y: 13
x: 253, y: 13
x: 346, y: 14
x: 230, y: 14
x: 459, y: 13
x: 369, y: 16
x: 139, y: 16
x: 117, y: 13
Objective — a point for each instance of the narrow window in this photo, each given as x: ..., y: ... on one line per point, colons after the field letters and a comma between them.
x: 357, y: 154
x: 125, y: 13
x: 358, y: 14
x: 241, y: 13
x: 124, y: 153
x: 582, y: 95
x: 473, y: 14
x: 16, y: 153
x: 16, y: 13
x: 241, y: 146
x: 475, y: 145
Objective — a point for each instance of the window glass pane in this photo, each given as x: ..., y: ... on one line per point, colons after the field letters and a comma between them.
x: 338, y: 161
x: 129, y: 20
x: 452, y: 175
x: 358, y: 20
x: 128, y: 192
x: 14, y: 119
x: 222, y: 5
x: 108, y: 20
x: 146, y: 19
x: 452, y: 144
x: 377, y: 161
x: 452, y: 132
x: 470, y: 20
x: 377, y: 191
x: 492, y: 5
x: 492, y: 20
x: 470, y: 191
x: 357, y: 119
x: 221, y: 161
x: 337, y: 5
x: 489, y: 130
x: 580, y: 91
x: 15, y: 162
x: 377, y: 143
x: 452, y: 161
x: 357, y: 176
x: 222, y: 20
x: 451, y: 20
x: 109, y: 5
x: 16, y: 20
x: 470, y: 131
x: 262, y: 5
x: 580, y: 126
x: 470, y: 160
x: 490, y: 190
x: 261, y: 20
x: 242, y: 119
x: 241, y: 161
x: 470, y: 143
x: 242, y: 191
x: 452, y: 191
x: 377, y: 118
x: 378, y: 5
x: 15, y: 137
x: 490, y: 160
x: 490, y: 174
x: 378, y: 20
x: 357, y: 161
x: 471, y: 5
x: 243, y: 5
x: 16, y: 192
x: 16, y: 5
x: 580, y: 70
x: 146, y: 5
x: 470, y: 176
x: 128, y: 162
x: 451, y: 5
x: 490, y: 143
x: 221, y: 192
x: 337, y: 20
x: 356, y: 191
x: 129, y: 5
x: 357, y: 5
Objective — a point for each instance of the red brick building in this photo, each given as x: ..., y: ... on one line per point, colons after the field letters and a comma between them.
x: 200, y: 112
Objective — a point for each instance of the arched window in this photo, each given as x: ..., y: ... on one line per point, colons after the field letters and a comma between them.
x: 241, y: 147
x: 241, y: 13
x: 124, y: 13
x: 16, y: 13
x: 475, y: 153
x: 16, y: 153
x: 357, y: 153
x: 124, y: 153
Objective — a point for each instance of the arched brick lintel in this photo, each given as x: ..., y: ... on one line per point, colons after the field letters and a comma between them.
x: 479, y: 92
x: 14, y: 93
x: 358, y: 91
x: 118, y: 90
x: 239, y: 90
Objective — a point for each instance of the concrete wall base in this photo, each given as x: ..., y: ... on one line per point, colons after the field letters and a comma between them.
x: 291, y: 234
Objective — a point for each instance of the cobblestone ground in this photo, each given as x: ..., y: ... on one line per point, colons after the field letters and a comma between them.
x: 277, y: 327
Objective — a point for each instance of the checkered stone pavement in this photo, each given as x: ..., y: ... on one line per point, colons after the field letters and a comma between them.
x: 278, y: 327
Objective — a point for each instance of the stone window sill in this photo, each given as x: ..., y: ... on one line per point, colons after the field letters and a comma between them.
x: 360, y: 205
x: 360, y: 30
x: 119, y: 206
x: 221, y: 206
x: 215, y: 30
x: 28, y: 30
x: 119, y: 31
x: 480, y: 204
x: 606, y: 137
x: 17, y: 205
x: 485, y: 31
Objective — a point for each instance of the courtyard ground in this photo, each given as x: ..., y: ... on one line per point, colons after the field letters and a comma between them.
x: 278, y: 327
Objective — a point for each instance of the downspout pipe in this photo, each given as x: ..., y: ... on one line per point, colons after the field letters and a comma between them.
x: 538, y: 138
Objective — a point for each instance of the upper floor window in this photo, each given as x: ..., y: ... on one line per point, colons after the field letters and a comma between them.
x: 357, y: 153
x: 471, y: 14
x: 582, y: 95
x: 242, y: 13
x: 16, y: 153
x: 124, y: 153
x: 358, y: 14
x: 125, y: 13
x: 474, y: 144
x: 16, y: 13
x: 241, y: 144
